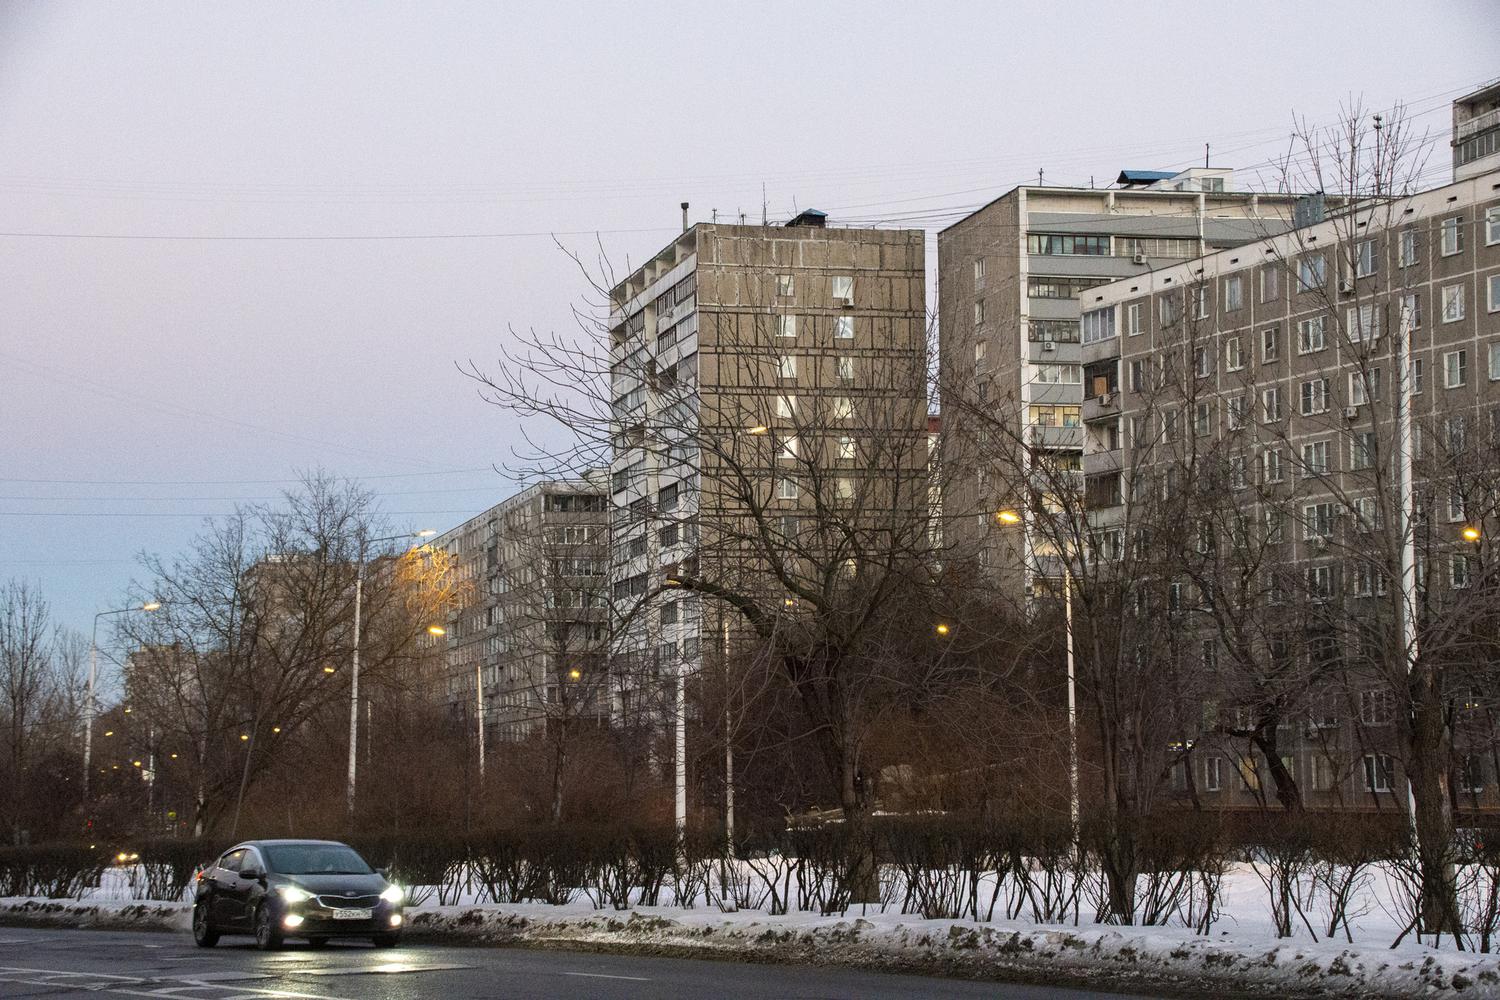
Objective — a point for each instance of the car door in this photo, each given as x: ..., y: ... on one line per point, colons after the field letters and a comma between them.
x: 244, y: 893
x: 225, y: 877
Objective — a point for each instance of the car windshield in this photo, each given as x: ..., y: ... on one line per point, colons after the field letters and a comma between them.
x: 315, y: 859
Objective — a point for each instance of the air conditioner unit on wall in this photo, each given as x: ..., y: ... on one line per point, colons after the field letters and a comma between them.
x: 1139, y: 258
x: 1351, y: 412
x: 1346, y: 286
x: 1048, y: 345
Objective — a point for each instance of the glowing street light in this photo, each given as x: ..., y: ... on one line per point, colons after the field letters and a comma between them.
x: 574, y: 674
x: 91, y: 709
x: 1471, y: 534
x: 1008, y: 517
x: 942, y: 629
x: 436, y: 630
x: 758, y: 430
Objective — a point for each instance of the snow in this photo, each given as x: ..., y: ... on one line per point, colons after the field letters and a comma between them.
x: 1241, y: 953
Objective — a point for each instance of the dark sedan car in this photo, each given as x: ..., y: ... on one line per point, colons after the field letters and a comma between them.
x: 314, y: 889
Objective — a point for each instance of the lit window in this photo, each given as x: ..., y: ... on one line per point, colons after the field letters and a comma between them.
x: 846, y: 448
x: 845, y: 364
x: 843, y: 408
x: 843, y: 327
x: 786, y: 366
x: 786, y: 406
x: 845, y: 488
x: 786, y: 326
x: 789, y: 446
x: 785, y: 285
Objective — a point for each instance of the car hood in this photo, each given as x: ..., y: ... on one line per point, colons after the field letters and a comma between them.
x: 336, y: 885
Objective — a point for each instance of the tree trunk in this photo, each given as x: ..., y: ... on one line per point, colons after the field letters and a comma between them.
x: 1268, y: 743
x: 864, y: 873
x: 1427, y: 769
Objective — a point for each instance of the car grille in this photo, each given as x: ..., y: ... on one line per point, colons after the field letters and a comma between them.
x: 351, y: 902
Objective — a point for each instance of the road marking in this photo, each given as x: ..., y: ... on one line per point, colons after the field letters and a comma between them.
x: 389, y: 968
x: 104, y: 982
x: 600, y: 975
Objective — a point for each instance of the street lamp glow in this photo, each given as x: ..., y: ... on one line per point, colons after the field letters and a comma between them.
x: 437, y: 630
x: 1008, y: 517
x: 671, y: 581
x: 426, y: 533
x: 275, y: 729
x: 758, y: 430
x: 151, y: 606
x: 574, y: 674
x: 109, y: 732
x: 1471, y: 534
x: 943, y: 629
x: 244, y: 736
x: 328, y: 670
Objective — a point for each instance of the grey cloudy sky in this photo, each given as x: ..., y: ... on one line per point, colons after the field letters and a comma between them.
x: 148, y: 382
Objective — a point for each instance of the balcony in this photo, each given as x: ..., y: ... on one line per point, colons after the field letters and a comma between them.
x: 1476, y: 125
x: 1105, y: 406
x: 1053, y: 437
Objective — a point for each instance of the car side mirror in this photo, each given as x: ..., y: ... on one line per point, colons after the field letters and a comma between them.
x: 384, y: 873
x: 252, y: 874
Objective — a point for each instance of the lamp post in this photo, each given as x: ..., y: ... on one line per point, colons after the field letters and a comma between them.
x: 90, y: 710
x: 1010, y: 517
x: 359, y: 597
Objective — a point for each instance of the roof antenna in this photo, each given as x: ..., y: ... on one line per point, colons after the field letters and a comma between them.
x: 684, y: 217
x: 1038, y: 176
x: 1205, y: 156
x: 715, y: 215
x: 762, y: 203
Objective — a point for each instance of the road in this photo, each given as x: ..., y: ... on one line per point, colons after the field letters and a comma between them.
x: 55, y: 964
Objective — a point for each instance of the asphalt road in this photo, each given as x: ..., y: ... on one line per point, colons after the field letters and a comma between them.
x: 56, y: 964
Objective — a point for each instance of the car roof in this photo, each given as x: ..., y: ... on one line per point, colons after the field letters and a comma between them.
x: 288, y: 843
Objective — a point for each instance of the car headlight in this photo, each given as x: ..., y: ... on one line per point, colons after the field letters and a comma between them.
x: 393, y: 894
x: 292, y: 894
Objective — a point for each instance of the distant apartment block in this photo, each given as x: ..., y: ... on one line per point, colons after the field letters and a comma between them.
x: 1476, y: 132
x: 1010, y: 277
x: 531, y: 637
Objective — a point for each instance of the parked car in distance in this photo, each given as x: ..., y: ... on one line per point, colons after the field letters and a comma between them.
x: 313, y: 889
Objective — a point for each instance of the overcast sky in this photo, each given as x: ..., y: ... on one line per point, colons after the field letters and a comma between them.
x: 149, y: 382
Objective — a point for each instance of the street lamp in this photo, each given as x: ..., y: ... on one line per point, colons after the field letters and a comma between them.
x: 1471, y: 534
x: 359, y: 596
x: 90, y: 709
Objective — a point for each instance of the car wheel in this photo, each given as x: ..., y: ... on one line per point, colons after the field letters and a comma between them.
x: 317, y: 942
x: 386, y: 940
x: 267, y: 934
x: 204, y: 935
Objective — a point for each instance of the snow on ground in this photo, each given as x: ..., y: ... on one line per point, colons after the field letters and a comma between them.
x: 1241, y: 955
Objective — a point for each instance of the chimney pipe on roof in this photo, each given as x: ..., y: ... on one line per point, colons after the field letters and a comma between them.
x: 684, y: 217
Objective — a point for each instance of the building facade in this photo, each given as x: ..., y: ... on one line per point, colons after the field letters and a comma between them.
x: 1010, y: 277
x: 1261, y: 383
x: 766, y: 381
x: 1476, y: 132
x: 529, y: 641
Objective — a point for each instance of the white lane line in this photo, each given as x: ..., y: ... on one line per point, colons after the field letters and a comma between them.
x: 389, y: 968
x: 141, y: 987
x: 600, y: 975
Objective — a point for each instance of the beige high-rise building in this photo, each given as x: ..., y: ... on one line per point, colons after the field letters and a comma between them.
x: 1476, y: 132
x: 1010, y: 277
x: 768, y: 384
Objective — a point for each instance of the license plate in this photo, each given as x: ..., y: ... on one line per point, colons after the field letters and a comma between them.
x: 349, y: 913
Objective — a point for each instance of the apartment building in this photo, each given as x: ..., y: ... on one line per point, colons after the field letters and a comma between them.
x: 531, y: 634
x: 1009, y: 280
x: 765, y: 381
x: 1273, y: 366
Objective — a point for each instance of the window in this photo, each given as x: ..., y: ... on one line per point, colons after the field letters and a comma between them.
x: 1378, y: 772
x: 1237, y: 479
x: 1270, y: 282
x: 1458, y: 570
x: 1317, y: 520
x: 1312, y: 272
x: 1310, y: 335
x: 978, y: 272
x: 1376, y: 707
x: 844, y: 488
x: 1471, y: 774
x: 788, y: 446
x: 1236, y: 412
x: 1491, y: 226
x: 786, y: 366
x: 1366, y: 514
x: 1200, y: 302
x: 1494, y: 350
x: 1364, y: 259
x: 1453, y: 303
x: 669, y: 613
x: 1411, y: 306
x: 1320, y: 582
x: 1234, y: 358
x: 1455, y: 434
x: 844, y: 366
x: 1364, y: 386
x: 1418, y: 376
x: 1213, y: 773
x: 666, y: 497
x: 1364, y: 323
x: 1275, y: 527
x: 1455, y: 369
x: 1270, y: 343
x: 1315, y: 458
x: 1203, y: 362
x: 1408, y: 248
x: 1271, y: 466
x: 1234, y: 293
x: 786, y: 406
x: 846, y: 449
x: 1137, y: 376
x: 1168, y: 309
x: 1270, y: 403
x: 1203, y: 419
x: 1314, y: 396
x: 1133, y: 319
x: 1362, y: 450
x: 843, y: 328
x: 1169, y: 425
x: 1452, y: 236
x: 1098, y: 325
x: 786, y: 326
x: 1058, y: 374
x: 978, y: 311
x: 1492, y: 295
x: 843, y: 408
x: 843, y: 290
x: 786, y: 488
x: 1047, y: 243
x: 786, y: 286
